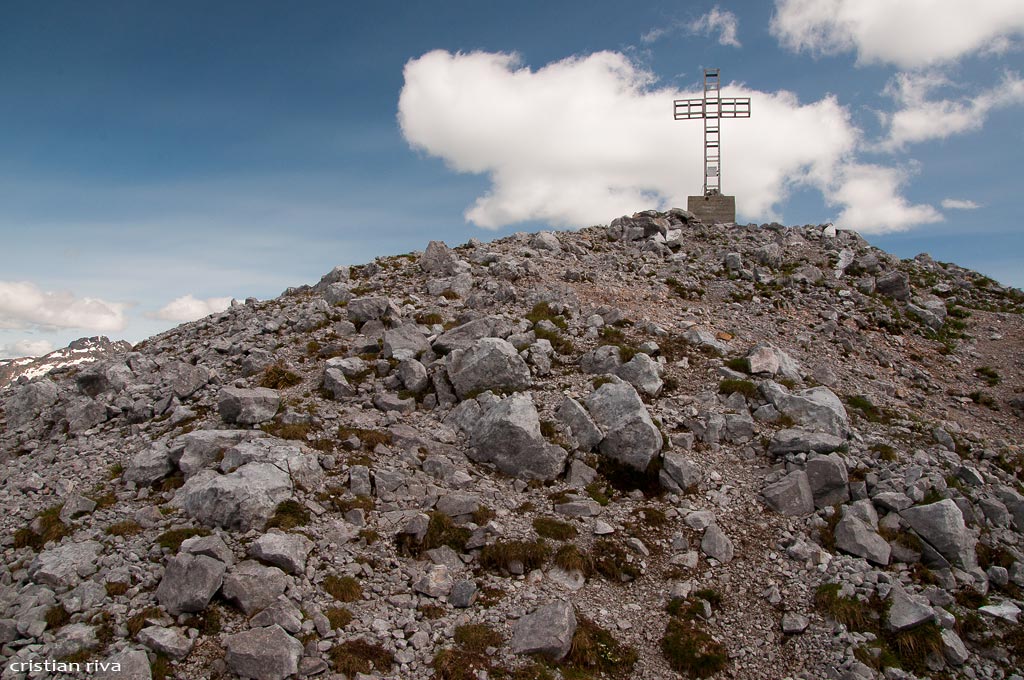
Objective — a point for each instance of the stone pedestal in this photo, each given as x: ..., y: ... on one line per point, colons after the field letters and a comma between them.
x: 712, y: 209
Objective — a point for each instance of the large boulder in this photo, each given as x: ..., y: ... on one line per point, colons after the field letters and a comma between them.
x: 679, y: 473
x: 287, y: 551
x: 439, y: 259
x: 828, y: 479
x: 630, y: 436
x: 263, y: 653
x: 150, y: 465
x: 907, y: 611
x: 373, y: 308
x: 185, y: 379
x: 765, y: 359
x: 856, y: 537
x: 488, y: 364
x: 28, y: 401
x: 942, y: 526
x: 248, y: 406
x: 198, y: 450
x: 66, y: 564
x: 404, y: 342
x: 580, y: 424
x: 301, y: 464
x: 817, y: 408
x: 548, y: 630
x: 507, y: 434
x: 791, y: 495
x: 463, y: 336
x: 643, y: 373
x: 895, y: 284
x: 253, y: 586
x: 189, y: 583
x: 799, y: 440
x: 241, y: 500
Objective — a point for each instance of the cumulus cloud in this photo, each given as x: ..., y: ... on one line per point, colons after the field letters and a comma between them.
x: 872, y: 202
x: 722, y: 22
x: 919, y: 118
x: 958, y: 204
x: 587, y: 138
x: 909, y: 34
x: 24, y: 305
x: 189, y: 308
x: 25, y: 348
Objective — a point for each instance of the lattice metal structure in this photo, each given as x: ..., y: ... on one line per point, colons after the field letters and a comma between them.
x: 712, y: 108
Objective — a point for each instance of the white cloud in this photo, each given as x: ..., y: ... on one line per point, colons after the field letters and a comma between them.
x: 872, y: 204
x: 25, y: 348
x: 919, y: 118
x: 189, y: 308
x: 718, y: 21
x: 585, y: 139
x: 957, y: 204
x: 24, y: 305
x: 908, y: 33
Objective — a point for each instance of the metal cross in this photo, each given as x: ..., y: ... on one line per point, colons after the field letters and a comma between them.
x: 712, y: 108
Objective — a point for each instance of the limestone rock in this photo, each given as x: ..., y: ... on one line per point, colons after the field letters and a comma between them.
x: 253, y: 587
x: 942, y: 526
x: 716, y: 544
x: 548, y: 630
x: 855, y: 537
x: 630, y: 436
x: 791, y: 495
x: 488, y: 364
x: 248, y: 406
x: 828, y: 479
x: 65, y: 564
x: 263, y: 653
x: 287, y: 551
x: 242, y: 499
x: 189, y: 583
x: 508, y: 435
x: 817, y: 408
x: 582, y: 426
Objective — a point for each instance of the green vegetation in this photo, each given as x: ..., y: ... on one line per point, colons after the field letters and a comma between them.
x: 595, y: 652
x: 989, y: 375
x: 868, y: 411
x: 745, y: 387
x: 277, y: 376
x: 570, y: 558
x: 984, y: 399
x: 343, y: 588
x: 338, y: 616
x: 116, y: 588
x: 477, y: 637
x: 173, y: 539
x: 885, y: 452
x: 49, y: 527
x: 610, y: 561
x: 128, y: 527
x: 360, y: 656
x: 548, y: 527
x: 739, y: 364
x: 56, y: 616
x: 293, y: 431
x: 289, y: 514
x: 440, y: 531
x: 542, y: 312
x: 368, y: 438
x: 504, y: 555
x: 690, y: 650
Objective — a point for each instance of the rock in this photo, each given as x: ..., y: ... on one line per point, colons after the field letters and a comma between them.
x: 248, y: 406
x: 1005, y: 610
x: 953, y: 648
x: 828, y: 479
x: 794, y: 624
x: 942, y: 526
x: 404, y: 342
x: 488, y: 364
x: 149, y: 465
x: 28, y: 401
x: 768, y: 360
x: 202, y: 448
x: 263, y: 653
x: 817, y: 408
x: 337, y: 294
x: 907, y: 611
x: 601, y: 360
x: 508, y: 435
x: 462, y: 337
x: 76, y: 505
x: 545, y: 240
x: 189, y: 583
x: 435, y: 582
x: 681, y: 471
x: 241, y: 500
x: 253, y: 587
x: 129, y: 664
x: 799, y: 440
x: 186, y: 379
x: 65, y: 564
x: 580, y: 424
x: 301, y: 464
x: 791, y: 495
x: 464, y: 594
x: 855, y: 537
x: 705, y: 339
x: 287, y: 551
x: 282, y: 613
x: 211, y: 546
x: 413, y: 375
x: 895, y: 284
x: 643, y: 373
x: 335, y: 382
x: 438, y: 258
x: 373, y: 308
x: 716, y: 544
x: 167, y: 641
x: 548, y: 630
x: 630, y: 436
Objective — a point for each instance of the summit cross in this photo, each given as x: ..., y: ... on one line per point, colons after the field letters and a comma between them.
x: 712, y: 108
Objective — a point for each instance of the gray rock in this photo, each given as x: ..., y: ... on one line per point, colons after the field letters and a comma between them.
x: 799, y: 440
x: 791, y: 495
x: 248, y: 406
x: 373, y: 308
x: 942, y: 526
x: 189, y: 583
x: 643, y: 373
x: 702, y: 338
x: 716, y: 544
x: 254, y: 587
x: 413, y: 375
x: 438, y: 258
x: 907, y: 611
x: 301, y: 464
x: 167, y: 641
x: 828, y: 479
x: 389, y: 401
x: 28, y: 401
x: 892, y: 501
x: 765, y: 359
x: 855, y: 537
x: 185, y: 379
x: 65, y: 564
x: 794, y: 624
x: 287, y: 551
x: 545, y: 240
x: 682, y: 471
x: 953, y: 648
x: 359, y: 481
x: 404, y: 342
x: 435, y: 582
x: 488, y: 364
x: 548, y: 630
x: 211, y: 546
x: 76, y: 505
x: 149, y: 465
x: 580, y: 424
x: 508, y: 435
x: 463, y: 595
x: 462, y: 337
x: 240, y: 500
x: 601, y: 360
x: 282, y: 613
x: 337, y: 294
x: 630, y: 436
x: 202, y: 448
x: 895, y: 284
x: 263, y: 653
x: 129, y: 664
x: 817, y: 408
x: 335, y: 382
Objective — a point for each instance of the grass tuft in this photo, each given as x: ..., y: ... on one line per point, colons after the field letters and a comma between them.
x: 288, y: 515
x: 360, y: 656
x: 343, y: 588
x: 173, y: 539
x: 277, y: 377
x: 548, y: 527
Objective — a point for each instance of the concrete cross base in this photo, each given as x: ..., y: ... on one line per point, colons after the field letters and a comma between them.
x: 712, y: 209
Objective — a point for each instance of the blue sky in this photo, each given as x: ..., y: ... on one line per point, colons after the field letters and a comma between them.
x: 157, y: 159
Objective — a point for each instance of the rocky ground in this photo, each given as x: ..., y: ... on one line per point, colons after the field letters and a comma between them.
x: 648, y: 450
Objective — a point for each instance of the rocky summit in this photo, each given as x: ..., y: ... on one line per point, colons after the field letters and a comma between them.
x: 653, y: 449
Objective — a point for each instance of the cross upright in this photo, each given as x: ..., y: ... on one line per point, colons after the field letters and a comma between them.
x: 712, y: 108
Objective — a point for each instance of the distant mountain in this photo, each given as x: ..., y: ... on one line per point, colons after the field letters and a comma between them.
x: 81, y: 351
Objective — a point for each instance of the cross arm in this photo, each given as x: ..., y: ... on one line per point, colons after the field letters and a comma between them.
x: 723, y: 107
